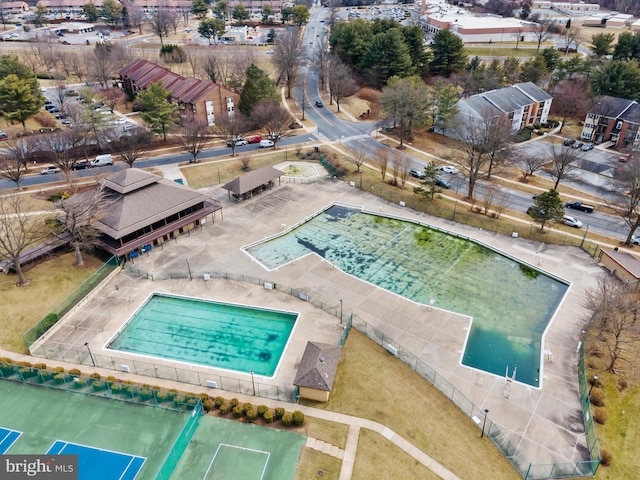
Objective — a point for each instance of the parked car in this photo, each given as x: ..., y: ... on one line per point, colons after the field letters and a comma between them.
x: 635, y: 240
x: 449, y: 169
x: 569, y: 142
x: 580, y: 206
x: 237, y: 142
x: 533, y: 210
x: 625, y: 158
x: 414, y: 172
x: 577, y: 145
x: 102, y: 160
x: 571, y: 221
x: 318, y: 104
x: 442, y: 183
x: 48, y: 170
x: 254, y: 139
x: 3, y: 135
x: 81, y: 165
x: 266, y: 143
x: 587, y: 146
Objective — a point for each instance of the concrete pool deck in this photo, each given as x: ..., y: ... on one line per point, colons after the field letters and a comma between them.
x: 545, y: 425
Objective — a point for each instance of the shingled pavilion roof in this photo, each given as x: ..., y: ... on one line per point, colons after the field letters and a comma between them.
x: 252, y: 180
x: 318, y: 366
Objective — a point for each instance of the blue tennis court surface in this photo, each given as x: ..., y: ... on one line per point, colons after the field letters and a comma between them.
x: 7, y: 438
x: 98, y: 464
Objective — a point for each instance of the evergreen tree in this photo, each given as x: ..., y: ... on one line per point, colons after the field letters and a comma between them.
x: 240, y: 13
x: 617, y: 78
x: 387, y: 56
x: 414, y: 38
x: 257, y: 87
x: 300, y: 15
x: 20, y: 95
x: 199, y: 8
x: 547, y: 206
x: 157, y: 110
x: 449, y: 55
x: 91, y: 11
x: 210, y: 28
x: 602, y: 43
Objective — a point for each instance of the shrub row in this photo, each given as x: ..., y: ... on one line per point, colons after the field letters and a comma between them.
x: 251, y: 413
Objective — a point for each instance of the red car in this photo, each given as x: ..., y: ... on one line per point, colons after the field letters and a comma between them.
x: 254, y: 139
x: 625, y: 157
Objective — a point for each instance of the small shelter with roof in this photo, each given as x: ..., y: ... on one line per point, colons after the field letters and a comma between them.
x: 621, y: 264
x: 317, y: 371
x: 253, y: 183
x: 144, y: 210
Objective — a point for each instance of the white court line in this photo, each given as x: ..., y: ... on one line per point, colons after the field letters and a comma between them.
x: 244, y: 449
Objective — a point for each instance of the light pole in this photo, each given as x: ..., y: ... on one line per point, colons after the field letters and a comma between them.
x: 455, y: 205
x: 484, y: 422
x: 86, y: 344
x: 219, y: 177
x: 585, y: 236
x: 340, y: 311
x: 189, y: 269
x: 595, y: 380
x: 360, y: 179
x: 253, y: 383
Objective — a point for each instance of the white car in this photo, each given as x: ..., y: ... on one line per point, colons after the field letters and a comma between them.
x: 449, y: 169
x: 50, y: 170
x: 635, y: 240
x: 571, y: 221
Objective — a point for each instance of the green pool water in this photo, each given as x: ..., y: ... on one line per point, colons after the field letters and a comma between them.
x: 214, y: 334
x: 511, y: 303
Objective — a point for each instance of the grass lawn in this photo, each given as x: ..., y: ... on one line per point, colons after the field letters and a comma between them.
x: 620, y: 435
x: 315, y: 464
x: 372, y: 384
x: 51, y: 282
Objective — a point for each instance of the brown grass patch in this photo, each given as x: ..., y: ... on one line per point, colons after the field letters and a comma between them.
x: 51, y: 282
x: 401, y: 400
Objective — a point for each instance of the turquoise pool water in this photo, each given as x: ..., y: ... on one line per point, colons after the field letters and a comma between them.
x: 511, y: 303
x: 221, y: 335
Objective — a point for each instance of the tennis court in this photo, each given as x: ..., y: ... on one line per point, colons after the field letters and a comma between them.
x: 7, y: 438
x: 113, y: 439
x: 99, y: 464
x: 228, y: 450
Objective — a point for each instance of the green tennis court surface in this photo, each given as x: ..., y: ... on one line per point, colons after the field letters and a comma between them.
x: 228, y: 450
x: 46, y: 415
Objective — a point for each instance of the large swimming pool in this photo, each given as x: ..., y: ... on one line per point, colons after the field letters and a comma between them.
x: 222, y: 335
x: 511, y: 303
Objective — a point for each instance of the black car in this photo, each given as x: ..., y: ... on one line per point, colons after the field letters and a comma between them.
x: 318, y: 104
x: 82, y: 165
x: 568, y: 142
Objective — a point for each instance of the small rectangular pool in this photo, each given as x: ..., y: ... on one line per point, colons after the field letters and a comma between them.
x: 233, y: 337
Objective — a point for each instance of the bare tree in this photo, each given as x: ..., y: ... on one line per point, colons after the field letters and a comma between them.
x: 77, y: 213
x: 543, y: 28
x: 59, y: 148
x: 111, y: 97
x: 563, y: 161
x: 571, y: 99
x: 19, y: 230
x: 100, y: 63
x: 319, y: 61
x: 13, y: 162
x: 230, y: 128
x: 193, y: 136
x: 78, y: 65
x: 60, y: 96
x: 499, y: 142
x: 627, y: 183
x: 500, y: 205
x: 192, y: 54
x: 358, y: 153
x: 136, y: 15
x: 474, y: 140
x: 133, y: 146
x: 174, y: 21
x: 341, y: 82
x: 517, y: 34
x: 274, y: 119
x: 399, y: 168
x: 382, y: 160
x: 528, y: 164
x: 618, y: 314
x: 301, y: 98
x: 160, y: 23
x: 288, y: 54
